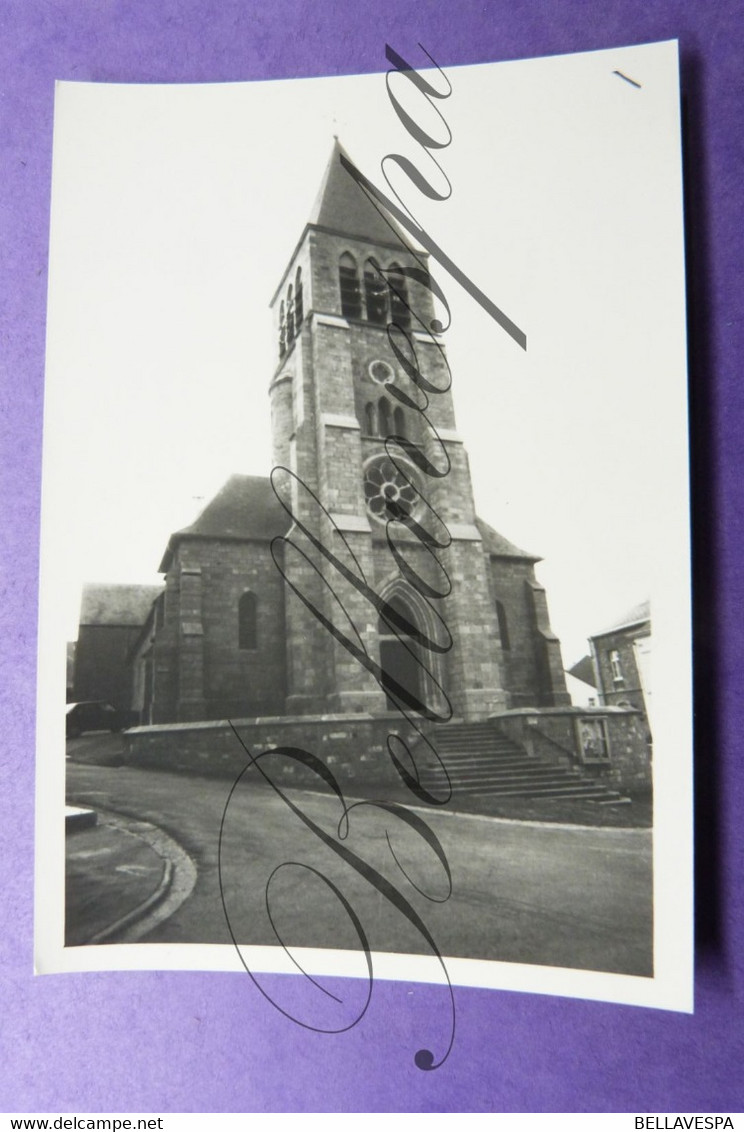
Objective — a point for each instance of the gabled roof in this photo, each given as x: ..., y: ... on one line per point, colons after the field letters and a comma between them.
x: 584, y: 670
x: 344, y: 207
x: 245, y: 509
x: 635, y: 616
x: 106, y: 604
x: 500, y: 547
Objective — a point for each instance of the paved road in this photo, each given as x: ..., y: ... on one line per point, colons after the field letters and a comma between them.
x: 565, y: 897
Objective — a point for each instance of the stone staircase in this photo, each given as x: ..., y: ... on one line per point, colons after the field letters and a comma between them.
x: 481, y: 760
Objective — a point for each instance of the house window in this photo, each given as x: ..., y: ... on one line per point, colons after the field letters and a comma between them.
x: 375, y: 294
x: 298, y: 307
x: 615, y: 666
x: 247, y: 636
x: 503, y: 625
x: 351, y: 293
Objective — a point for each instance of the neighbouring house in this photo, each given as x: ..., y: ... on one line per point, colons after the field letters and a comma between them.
x: 621, y: 656
x: 111, y: 617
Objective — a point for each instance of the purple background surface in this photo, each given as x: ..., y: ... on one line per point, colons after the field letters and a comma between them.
x: 209, y: 1042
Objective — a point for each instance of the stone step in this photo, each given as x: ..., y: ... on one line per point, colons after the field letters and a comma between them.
x: 488, y: 786
x: 526, y: 766
x: 589, y: 793
x: 501, y: 764
x: 546, y: 776
x: 458, y: 734
x: 481, y: 751
x: 467, y: 741
x: 481, y: 760
x: 485, y: 754
x: 461, y: 752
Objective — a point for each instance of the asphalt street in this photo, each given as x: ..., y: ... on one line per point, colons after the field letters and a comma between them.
x: 556, y: 896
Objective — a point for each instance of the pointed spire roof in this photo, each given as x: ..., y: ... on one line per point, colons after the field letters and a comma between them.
x: 344, y: 207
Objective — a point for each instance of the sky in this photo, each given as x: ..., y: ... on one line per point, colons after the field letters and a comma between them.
x: 175, y: 211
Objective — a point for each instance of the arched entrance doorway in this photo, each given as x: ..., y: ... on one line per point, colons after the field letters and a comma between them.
x: 400, y: 657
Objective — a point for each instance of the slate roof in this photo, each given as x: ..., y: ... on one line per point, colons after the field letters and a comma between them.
x: 500, y: 547
x: 107, y: 604
x: 344, y: 207
x: 245, y: 509
x: 635, y: 616
x: 584, y: 670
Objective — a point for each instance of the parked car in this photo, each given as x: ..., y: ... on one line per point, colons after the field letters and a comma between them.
x: 92, y: 715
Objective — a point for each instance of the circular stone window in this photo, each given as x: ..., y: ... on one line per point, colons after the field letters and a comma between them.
x: 381, y: 372
x: 388, y: 492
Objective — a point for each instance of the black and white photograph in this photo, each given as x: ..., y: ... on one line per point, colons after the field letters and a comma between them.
x: 365, y: 594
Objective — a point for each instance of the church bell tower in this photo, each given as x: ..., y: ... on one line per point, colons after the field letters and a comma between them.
x: 350, y: 420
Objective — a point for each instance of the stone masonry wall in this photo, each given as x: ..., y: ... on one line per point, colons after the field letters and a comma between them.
x: 552, y: 733
x: 239, y: 681
x: 353, y: 747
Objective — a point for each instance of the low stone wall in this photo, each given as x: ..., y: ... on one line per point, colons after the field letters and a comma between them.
x: 353, y: 747
x: 552, y: 733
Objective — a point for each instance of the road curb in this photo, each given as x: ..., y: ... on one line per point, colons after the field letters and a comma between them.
x: 175, y: 886
x: 136, y: 914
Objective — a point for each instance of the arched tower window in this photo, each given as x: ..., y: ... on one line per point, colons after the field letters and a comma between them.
x: 385, y: 417
x: 299, y: 311
x: 282, y: 330
x: 399, y: 422
x: 370, y: 418
x: 247, y: 634
x: 503, y: 625
x: 375, y: 294
x: 399, y: 308
x: 351, y: 293
x: 290, y: 316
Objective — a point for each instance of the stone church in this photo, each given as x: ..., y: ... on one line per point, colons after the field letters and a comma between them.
x: 358, y: 578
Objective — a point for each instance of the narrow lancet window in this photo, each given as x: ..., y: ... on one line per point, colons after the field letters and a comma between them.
x: 503, y: 626
x: 399, y: 308
x: 386, y: 417
x: 290, y: 316
x: 370, y: 418
x: 282, y: 331
x: 375, y: 294
x: 298, y: 311
x: 247, y: 634
x: 351, y: 292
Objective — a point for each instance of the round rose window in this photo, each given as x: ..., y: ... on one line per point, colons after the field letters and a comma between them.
x: 381, y: 372
x: 388, y: 492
